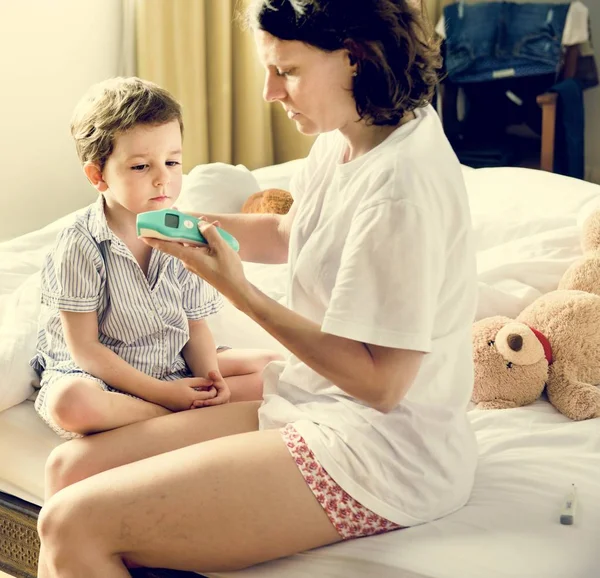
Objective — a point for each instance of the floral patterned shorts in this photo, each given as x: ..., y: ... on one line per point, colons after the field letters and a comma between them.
x: 350, y: 518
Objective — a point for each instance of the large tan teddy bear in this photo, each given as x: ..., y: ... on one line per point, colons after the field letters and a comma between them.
x: 584, y: 274
x: 554, y: 343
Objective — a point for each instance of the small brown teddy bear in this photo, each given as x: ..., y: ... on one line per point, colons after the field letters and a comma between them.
x: 553, y: 343
x: 268, y: 201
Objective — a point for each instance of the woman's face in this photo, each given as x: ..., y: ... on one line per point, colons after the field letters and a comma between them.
x: 313, y: 86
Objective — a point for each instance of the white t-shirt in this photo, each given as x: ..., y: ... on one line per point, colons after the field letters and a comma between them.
x: 381, y: 252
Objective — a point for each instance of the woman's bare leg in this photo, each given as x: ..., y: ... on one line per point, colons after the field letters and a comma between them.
x: 206, y: 507
x: 85, y: 457
x: 242, y: 370
x: 81, y: 458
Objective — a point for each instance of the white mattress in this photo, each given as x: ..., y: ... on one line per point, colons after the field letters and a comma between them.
x: 529, y: 457
x: 25, y: 443
x: 527, y: 231
x: 510, y: 528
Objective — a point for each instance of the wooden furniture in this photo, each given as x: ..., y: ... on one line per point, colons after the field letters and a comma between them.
x: 547, y: 102
x: 19, y: 543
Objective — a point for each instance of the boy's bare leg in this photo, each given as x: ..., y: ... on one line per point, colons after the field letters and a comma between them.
x: 242, y: 370
x: 245, y: 387
x: 81, y: 406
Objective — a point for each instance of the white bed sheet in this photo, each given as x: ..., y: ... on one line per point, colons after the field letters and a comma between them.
x: 527, y: 227
x: 510, y: 527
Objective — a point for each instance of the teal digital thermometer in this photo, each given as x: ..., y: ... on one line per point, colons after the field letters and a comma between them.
x: 173, y: 225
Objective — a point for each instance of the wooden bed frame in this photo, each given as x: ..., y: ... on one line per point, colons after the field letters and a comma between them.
x: 20, y: 545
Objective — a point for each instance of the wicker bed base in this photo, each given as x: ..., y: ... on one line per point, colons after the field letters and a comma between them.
x: 19, y: 542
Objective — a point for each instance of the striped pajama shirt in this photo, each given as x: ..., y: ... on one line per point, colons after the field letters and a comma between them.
x: 143, y: 319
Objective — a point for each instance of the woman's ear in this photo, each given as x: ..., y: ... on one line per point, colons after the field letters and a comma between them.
x: 94, y: 174
x: 352, y: 57
x: 351, y: 63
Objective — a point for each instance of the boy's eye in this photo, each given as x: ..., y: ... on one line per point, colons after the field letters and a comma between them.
x: 173, y: 163
x: 139, y: 167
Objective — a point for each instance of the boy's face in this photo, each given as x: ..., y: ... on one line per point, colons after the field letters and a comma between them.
x: 143, y: 173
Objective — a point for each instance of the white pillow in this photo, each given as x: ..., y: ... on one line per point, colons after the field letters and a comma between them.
x: 508, y: 204
x: 216, y: 188
x: 19, y: 313
x: 527, y: 226
x: 233, y: 328
x: 277, y: 176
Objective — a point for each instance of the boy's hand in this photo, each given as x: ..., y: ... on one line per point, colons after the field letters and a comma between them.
x: 182, y: 394
x: 222, y: 389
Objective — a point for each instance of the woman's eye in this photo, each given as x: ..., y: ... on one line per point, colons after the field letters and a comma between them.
x: 139, y: 167
x: 283, y: 72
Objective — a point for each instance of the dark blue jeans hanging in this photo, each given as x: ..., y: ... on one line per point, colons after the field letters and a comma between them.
x: 569, y: 157
x: 492, y: 40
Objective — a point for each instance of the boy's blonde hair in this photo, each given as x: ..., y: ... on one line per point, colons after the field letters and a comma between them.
x: 117, y: 105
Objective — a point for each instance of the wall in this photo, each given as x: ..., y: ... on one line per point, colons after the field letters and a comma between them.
x: 52, y: 51
x: 592, y: 103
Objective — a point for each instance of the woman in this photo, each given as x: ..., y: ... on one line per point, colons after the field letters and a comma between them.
x: 363, y: 428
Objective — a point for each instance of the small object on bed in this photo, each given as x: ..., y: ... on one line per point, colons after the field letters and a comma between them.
x: 275, y: 201
x: 554, y: 343
x: 567, y: 515
x: 173, y: 225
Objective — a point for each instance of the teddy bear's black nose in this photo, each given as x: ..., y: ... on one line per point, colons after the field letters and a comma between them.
x: 515, y: 341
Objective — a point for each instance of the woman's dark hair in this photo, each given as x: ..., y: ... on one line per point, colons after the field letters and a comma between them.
x: 390, y: 40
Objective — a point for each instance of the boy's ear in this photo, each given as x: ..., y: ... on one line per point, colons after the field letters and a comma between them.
x: 94, y: 174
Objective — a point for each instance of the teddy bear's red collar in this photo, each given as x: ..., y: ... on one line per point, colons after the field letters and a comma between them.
x: 545, y: 344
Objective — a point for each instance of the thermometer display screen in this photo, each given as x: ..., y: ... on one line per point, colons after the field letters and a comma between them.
x: 172, y: 221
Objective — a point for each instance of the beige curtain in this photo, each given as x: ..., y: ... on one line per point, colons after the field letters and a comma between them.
x: 196, y: 50
x: 434, y: 10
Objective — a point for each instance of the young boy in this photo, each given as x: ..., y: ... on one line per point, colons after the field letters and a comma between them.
x: 118, y: 317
